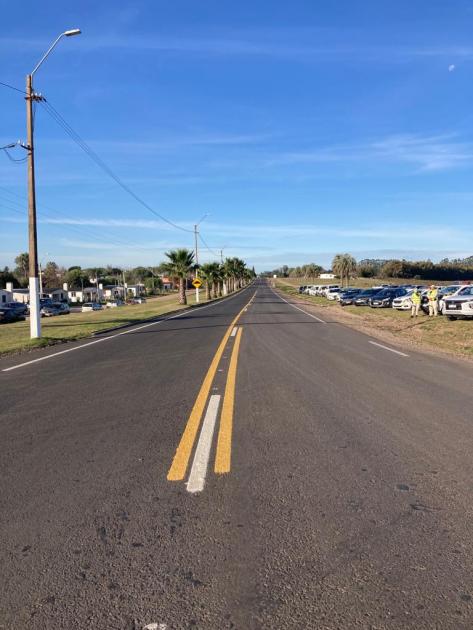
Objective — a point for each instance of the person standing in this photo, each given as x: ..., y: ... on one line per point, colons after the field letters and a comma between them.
x: 432, y: 296
x: 415, y: 299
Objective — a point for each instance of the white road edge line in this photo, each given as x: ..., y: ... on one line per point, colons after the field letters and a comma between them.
x: 198, y: 472
x: 125, y: 332
x: 380, y: 345
x: 234, y: 331
x: 300, y: 309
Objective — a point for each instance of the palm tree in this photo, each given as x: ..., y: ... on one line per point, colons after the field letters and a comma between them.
x: 344, y: 265
x: 205, y: 273
x: 180, y: 264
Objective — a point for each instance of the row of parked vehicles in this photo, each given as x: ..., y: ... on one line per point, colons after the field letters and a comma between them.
x: 455, y: 300
x: 17, y: 311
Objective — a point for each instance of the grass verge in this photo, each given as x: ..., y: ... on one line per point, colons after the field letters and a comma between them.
x: 16, y: 337
x: 435, y: 334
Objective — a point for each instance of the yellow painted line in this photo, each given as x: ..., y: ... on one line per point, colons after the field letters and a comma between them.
x: 223, y: 456
x: 180, y: 462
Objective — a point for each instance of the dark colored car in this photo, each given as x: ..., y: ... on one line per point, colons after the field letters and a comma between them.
x: 384, y: 299
x: 9, y: 315
x: 363, y: 298
x: 18, y: 307
x: 349, y: 296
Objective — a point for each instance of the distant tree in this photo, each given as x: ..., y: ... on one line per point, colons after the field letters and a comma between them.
x: 76, y: 278
x: 53, y: 275
x: 22, y: 262
x: 7, y: 276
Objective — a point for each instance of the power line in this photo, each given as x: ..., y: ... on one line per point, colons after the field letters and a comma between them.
x: 12, y: 87
x: 207, y: 247
x: 101, y: 164
x: 74, y: 228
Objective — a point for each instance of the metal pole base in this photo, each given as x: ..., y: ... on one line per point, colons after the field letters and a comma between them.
x: 35, y: 311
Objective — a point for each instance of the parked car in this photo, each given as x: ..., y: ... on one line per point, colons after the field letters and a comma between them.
x: 332, y: 294
x: 349, y: 296
x: 63, y: 307
x: 56, y: 308
x: 50, y: 310
x: 10, y: 315
x: 114, y: 303
x: 363, y: 298
x: 302, y: 288
x: 138, y: 300
x: 91, y: 306
x: 328, y: 287
x: 403, y: 302
x: 18, y: 307
x: 443, y: 293
x: 385, y: 298
x: 460, y: 305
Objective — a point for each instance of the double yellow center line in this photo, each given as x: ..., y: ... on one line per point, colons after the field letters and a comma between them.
x: 180, y: 462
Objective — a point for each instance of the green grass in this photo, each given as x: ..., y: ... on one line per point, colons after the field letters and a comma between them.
x: 435, y: 333
x: 15, y: 337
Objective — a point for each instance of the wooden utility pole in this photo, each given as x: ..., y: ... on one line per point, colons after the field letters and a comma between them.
x: 35, y: 314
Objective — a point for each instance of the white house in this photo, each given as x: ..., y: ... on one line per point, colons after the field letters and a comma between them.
x: 135, y: 289
x: 18, y: 295
x: 112, y: 291
x: 5, y: 296
x: 87, y: 294
x: 327, y: 276
x: 56, y: 295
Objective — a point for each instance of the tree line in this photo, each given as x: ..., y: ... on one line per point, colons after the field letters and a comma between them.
x: 345, y: 267
x: 219, y: 278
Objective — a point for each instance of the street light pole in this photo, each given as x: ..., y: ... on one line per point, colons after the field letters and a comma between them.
x: 35, y: 314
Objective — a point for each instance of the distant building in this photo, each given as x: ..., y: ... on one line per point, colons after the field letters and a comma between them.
x: 112, y: 291
x: 56, y: 295
x: 168, y: 284
x: 136, y: 290
x: 87, y: 294
x: 327, y: 276
x: 5, y: 296
x: 18, y: 295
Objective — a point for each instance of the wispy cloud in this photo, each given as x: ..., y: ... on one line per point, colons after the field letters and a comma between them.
x: 289, y: 43
x: 426, y: 153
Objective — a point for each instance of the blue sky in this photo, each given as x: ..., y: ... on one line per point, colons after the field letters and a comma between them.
x: 304, y: 129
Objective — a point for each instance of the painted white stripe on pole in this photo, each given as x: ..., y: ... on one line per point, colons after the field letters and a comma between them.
x: 124, y: 332
x: 301, y: 309
x: 234, y: 331
x: 198, y: 472
x: 380, y: 345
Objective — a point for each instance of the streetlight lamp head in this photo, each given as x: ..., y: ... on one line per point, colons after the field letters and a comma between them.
x: 74, y: 31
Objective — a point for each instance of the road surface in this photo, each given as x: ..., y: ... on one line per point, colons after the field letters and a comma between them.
x: 245, y: 465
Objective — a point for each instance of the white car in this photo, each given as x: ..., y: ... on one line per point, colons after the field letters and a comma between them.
x: 114, y: 303
x: 459, y: 305
x: 403, y: 302
x: 450, y: 291
x: 324, y: 291
x: 332, y: 294
x: 91, y: 306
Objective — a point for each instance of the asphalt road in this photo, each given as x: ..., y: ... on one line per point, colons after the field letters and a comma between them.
x: 244, y: 465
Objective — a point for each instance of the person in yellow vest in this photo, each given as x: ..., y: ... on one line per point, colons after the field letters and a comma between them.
x: 415, y: 299
x: 432, y: 296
